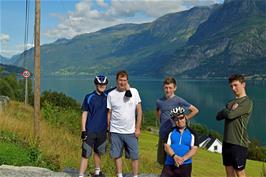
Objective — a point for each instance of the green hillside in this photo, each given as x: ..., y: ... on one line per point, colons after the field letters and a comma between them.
x: 125, y: 46
x: 233, y: 39
x: 17, y: 118
x: 10, y: 69
x: 201, y: 42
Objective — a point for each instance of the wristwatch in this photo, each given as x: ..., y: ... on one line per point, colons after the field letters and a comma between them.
x: 173, y: 155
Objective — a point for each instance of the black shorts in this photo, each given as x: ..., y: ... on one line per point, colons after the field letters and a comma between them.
x: 95, y: 142
x: 234, y: 155
x: 173, y: 171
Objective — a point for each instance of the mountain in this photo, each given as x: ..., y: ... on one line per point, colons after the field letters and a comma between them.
x: 233, y: 39
x: 202, y: 42
x: 10, y: 69
x: 4, y: 60
x: 126, y: 46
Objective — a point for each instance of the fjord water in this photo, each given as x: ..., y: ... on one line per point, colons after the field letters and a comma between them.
x: 208, y: 95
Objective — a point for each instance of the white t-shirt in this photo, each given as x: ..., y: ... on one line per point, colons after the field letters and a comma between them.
x: 123, y: 111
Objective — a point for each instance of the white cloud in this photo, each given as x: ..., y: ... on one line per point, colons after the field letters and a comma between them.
x: 87, y: 19
x: 17, y: 49
x: 4, y: 38
x: 101, y: 3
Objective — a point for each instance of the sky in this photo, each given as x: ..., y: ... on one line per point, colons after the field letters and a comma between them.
x: 68, y: 18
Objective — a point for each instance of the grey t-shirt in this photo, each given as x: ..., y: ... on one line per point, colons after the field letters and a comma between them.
x: 165, y: 106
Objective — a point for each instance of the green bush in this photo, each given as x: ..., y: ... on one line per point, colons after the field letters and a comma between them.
x: 15, y: 89
x: 256, y: 151
x: 60, y: 117
x: 61, y: 111
x: 200, y: 129
x: 60, y: 100
x: 149, y: 119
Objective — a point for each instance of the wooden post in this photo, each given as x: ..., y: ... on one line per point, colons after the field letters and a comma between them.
x: 37, y: 71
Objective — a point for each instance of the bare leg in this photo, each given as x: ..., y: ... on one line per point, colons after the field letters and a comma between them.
x: 135, y: 167
x: 97, y: 163
x: 230, y: 171
x: 240, y: 173
x: 83, y: 166
x: 118, y: 164
x: 97, y: 160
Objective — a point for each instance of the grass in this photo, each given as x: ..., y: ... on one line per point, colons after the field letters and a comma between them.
x: 11, y: 154
x: 55, y: 142
x: 65, y: 147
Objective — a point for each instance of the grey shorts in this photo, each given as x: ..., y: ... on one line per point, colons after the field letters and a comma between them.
x: 121, y: 141
x: 95, y: 142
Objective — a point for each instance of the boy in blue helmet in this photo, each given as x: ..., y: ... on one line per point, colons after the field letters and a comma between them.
x: 180, y: 147
x: 94, y: 125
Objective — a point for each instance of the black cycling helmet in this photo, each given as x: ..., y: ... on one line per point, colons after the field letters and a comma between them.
x: 101, y: 79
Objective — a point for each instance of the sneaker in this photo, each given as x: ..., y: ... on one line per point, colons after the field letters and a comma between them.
x: 99, y: 175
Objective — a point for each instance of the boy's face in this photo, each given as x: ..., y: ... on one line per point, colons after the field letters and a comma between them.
x: 237, y: 87
x: 101, y: 87
x: 180, y: 121
x: 122, y: 83
x: 169, y: 89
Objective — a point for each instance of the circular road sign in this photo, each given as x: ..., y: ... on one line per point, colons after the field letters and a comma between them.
x: 26, y: 74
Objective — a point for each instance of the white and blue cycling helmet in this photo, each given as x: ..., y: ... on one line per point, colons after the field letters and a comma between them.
x: 101, y: 79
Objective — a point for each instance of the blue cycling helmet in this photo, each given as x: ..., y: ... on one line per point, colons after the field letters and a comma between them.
x: 101, y: 79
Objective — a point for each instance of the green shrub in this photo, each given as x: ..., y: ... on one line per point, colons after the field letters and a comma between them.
x: 61, y: 110
x: 200, y: 129
x: 60, y: 117
x: 256, y: 151
x: 15, y: 89
x: 60, y: 100
x: 149, y: 119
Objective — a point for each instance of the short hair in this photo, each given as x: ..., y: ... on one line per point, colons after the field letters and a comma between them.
x: 122, y: 73
x: 169, y: 80
x: 236, y: 77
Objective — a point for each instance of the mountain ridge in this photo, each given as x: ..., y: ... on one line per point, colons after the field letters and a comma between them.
x: 201, y: 42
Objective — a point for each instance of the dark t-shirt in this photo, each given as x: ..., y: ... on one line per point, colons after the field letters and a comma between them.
x: 236, y: 121
x: 95, y: 105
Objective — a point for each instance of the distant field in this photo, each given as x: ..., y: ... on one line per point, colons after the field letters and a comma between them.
x: 65, y: 146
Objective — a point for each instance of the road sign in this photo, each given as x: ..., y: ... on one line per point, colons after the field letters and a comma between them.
x: 26, y: 74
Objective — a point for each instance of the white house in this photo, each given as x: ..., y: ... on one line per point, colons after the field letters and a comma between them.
x: 211, y: 144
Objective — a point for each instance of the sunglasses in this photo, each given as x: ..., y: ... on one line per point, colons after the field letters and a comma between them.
x: 178, y: 118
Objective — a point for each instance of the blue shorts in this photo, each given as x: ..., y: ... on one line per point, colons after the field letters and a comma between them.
x: 121, y: 141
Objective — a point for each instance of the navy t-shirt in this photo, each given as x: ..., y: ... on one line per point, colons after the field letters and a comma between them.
x: 95, y: 105
x: 165, y: 106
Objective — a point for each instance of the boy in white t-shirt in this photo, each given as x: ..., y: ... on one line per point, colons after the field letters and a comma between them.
x: 124, y: 127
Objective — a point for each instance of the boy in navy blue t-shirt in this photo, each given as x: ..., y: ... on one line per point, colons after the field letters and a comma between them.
x: 94, y: 125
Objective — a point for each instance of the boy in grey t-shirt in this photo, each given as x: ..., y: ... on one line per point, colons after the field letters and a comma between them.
x: 163, y: 107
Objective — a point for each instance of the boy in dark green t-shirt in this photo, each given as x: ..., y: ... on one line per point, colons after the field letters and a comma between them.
x: 236, y: 114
